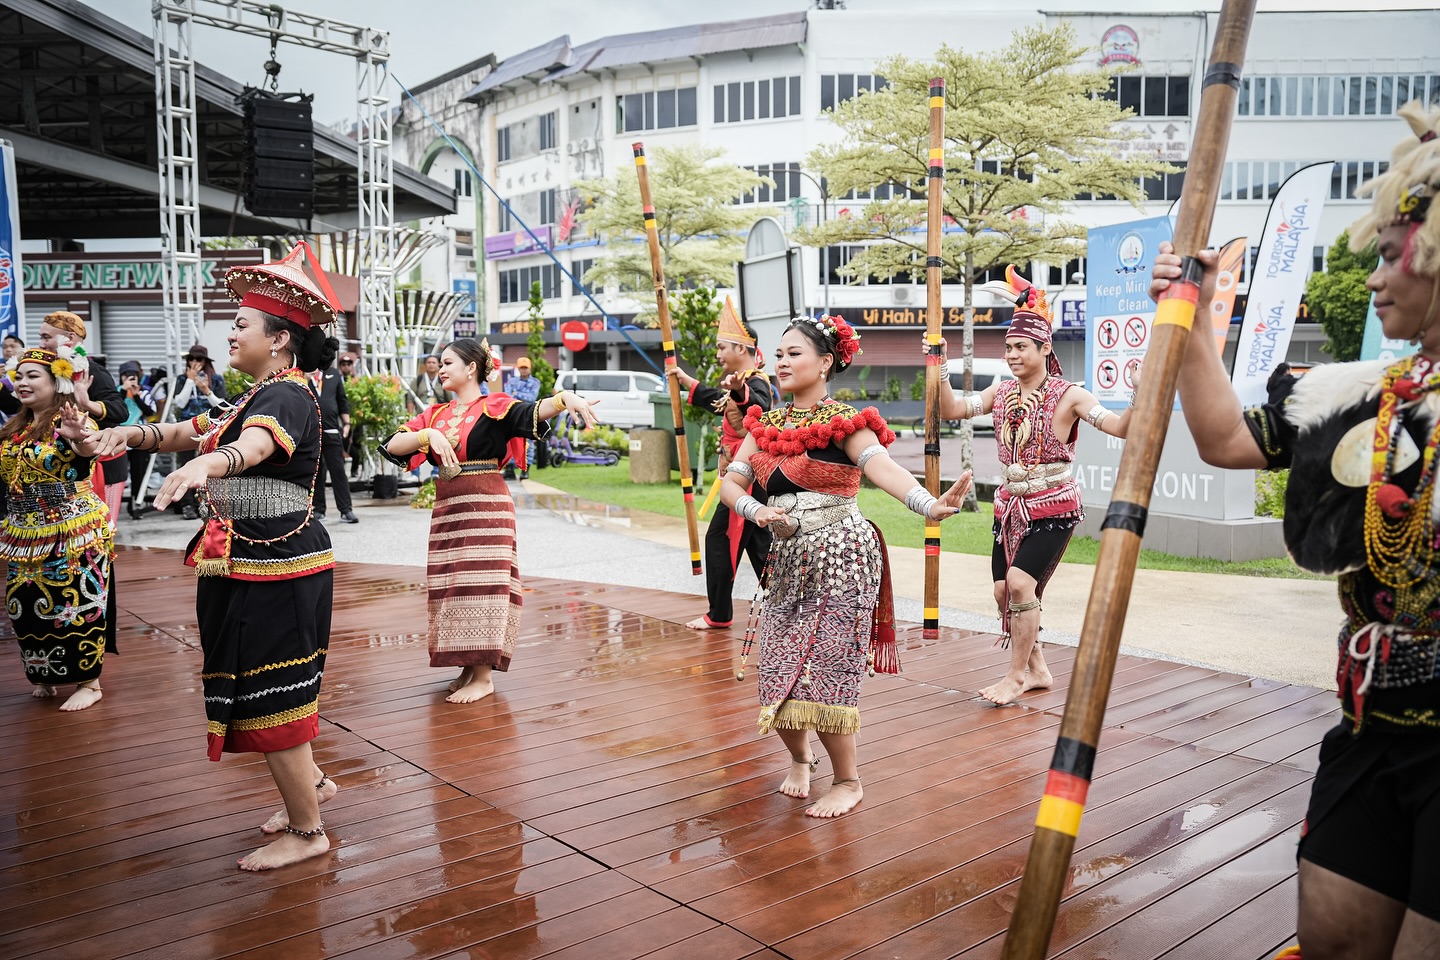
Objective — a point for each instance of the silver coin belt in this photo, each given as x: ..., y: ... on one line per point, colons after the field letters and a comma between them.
x: 252, y: 498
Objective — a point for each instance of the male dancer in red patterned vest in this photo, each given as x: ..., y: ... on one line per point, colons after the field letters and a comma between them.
x: 743, y: 385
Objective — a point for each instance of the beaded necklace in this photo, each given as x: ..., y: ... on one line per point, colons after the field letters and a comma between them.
x: 798, y: 419
x: 294, y: 375
x: 1016, y: 426
x: 1399, y: 529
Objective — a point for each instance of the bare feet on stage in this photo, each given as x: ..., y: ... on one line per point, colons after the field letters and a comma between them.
x: 700, y: 623
x: 85, y: 695
x: 289, y: 848
x: 797, y: 783
x: 1036, y: 677
x: 42, y: 691
x: 839, y: 799
x: 473, y: 684
x: 325, y: 789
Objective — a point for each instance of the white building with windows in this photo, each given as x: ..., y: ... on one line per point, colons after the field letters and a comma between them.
x: 1319, y: 87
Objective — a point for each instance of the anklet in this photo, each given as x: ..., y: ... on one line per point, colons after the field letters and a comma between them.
x: 323, y: 780
x: 836, y: 783
x: 307, y: 834
x: 812, y: 763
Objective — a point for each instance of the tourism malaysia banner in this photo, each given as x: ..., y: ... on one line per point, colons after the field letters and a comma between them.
x: 12, y: 296
x: 1118, y: 308
x: 1377, y: 346
x: 1278, y: 281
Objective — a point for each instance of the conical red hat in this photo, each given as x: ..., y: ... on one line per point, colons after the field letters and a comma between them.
x: 732, y: 328
x: 285, y: 289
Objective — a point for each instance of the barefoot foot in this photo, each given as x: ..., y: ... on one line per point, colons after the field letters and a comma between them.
x: 703, y: 623
x: 1005, y: 691
x: 477, y: 689
x: 82, y: 697
x: 797, y: 783
x: 42, y: 691
x: 1041, y: 680
x: 325, y: 790
x: 288, y: 849
x: 466, y: 675
x: 839, y: 799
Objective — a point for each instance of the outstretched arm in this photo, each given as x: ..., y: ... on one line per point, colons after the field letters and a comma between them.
x: 865, y: 449
x: 1212, y: 410
x: 1082, y: 405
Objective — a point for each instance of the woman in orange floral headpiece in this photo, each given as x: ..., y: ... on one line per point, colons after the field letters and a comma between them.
x: 264, y: 594
x: 827, y: 607
x: 56, y: 533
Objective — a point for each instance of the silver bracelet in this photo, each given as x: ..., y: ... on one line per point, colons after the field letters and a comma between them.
x: 868, y: 454
x: 741, y: 470
x: 974, y: 406
x: 945, y: 369
x: 919, y: 500
x: 748, y: 507
x: 1097, y: 415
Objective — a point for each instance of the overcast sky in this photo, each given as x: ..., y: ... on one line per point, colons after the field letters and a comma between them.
x: 432, y: 37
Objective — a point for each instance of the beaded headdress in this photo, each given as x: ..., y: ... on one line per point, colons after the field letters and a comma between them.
x: 834, y: 328
x: 1403, y: 194
x: 284, y: 289
x: 1032, y: 319
x: 62, y: 364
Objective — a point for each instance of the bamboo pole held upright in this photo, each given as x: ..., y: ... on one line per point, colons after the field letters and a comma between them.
x: 667, y: 336
x: 934, y: 225
x: 1063, y: 803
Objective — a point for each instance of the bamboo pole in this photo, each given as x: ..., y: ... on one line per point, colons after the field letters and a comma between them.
x: 667, y: 336
x: 1063, y: 803
x: 934, y: 224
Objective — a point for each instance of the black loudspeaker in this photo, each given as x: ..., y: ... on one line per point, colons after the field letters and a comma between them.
x: 279, y: 155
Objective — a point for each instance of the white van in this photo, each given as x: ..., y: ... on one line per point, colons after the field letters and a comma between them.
x: 983, y: 371
x: 625, y: 394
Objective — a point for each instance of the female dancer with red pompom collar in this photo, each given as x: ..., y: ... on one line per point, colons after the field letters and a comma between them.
x: 826, y: 612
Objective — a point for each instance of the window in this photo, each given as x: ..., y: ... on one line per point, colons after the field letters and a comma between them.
x: 836, y: 88
x: 506, y: 222
x: 515, y: 284
x: 548, y: 130
x: 757, y: 99
x: 1151, y: 96
x: 787, y: 183
x: 656, y: 110
x: 502, y: 144
x: 1261, y: 179
x: 1062, y: 276
x: 547, y: 206
x: 578, y: 269
x: 1369, y: 95
x: 464, y: 184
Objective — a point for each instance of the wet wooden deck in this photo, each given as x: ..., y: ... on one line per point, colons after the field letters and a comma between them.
x: 613, y: 800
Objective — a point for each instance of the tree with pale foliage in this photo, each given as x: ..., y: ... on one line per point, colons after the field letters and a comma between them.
x: 1027, y: 131
x: 700, y: 226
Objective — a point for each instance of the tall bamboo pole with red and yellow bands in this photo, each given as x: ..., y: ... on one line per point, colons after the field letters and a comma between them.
x: 1058, y: 822
x: 667, y: 337
x: 934, y: 225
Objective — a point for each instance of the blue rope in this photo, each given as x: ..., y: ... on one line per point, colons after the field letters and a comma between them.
x: 610, y: 321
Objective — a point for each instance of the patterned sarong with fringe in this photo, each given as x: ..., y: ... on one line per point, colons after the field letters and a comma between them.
x: 473, y: 573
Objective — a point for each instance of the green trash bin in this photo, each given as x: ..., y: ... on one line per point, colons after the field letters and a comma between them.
x: 665, y: 420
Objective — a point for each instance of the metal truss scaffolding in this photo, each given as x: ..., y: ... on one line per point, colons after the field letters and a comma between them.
x: 175, y: 100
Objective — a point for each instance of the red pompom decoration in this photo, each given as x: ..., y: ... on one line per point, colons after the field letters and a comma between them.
x: 1406, y: 389
x: 1393, y: 501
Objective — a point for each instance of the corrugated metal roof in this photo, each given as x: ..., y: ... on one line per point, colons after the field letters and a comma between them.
x: 652, y: 46
x: 543, y: 59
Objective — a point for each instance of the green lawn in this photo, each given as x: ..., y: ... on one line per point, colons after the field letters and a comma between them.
x: 966, y: 533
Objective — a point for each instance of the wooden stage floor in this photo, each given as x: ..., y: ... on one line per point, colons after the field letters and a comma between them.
x: 613, y: 800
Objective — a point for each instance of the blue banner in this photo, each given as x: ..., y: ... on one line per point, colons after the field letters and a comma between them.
x: 1118, y: 307
x: 1377, y: 346
x: 12, y: 296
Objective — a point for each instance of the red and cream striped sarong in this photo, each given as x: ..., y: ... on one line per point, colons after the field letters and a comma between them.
x: 473, y: 573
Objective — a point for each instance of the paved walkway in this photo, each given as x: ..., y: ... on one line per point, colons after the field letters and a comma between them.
x: 1273, y: 628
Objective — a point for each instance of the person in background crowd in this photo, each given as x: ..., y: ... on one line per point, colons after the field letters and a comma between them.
x: 137, y: 410
x: 202, y: 391
x: 354, y: 449
x: 11, y: 347
x: 329, y: 389
x: 525, y: 387
x: 428, y: 388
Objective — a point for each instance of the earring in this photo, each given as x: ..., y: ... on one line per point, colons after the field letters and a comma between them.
x: 274, y: 352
